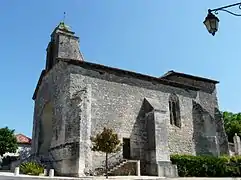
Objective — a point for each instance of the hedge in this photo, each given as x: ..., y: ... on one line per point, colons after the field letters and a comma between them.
x: 207, y: 166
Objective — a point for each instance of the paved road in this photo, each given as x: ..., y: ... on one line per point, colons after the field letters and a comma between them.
x: 10, y: 176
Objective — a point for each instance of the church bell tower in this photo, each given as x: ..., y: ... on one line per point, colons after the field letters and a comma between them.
x: 63, y: 45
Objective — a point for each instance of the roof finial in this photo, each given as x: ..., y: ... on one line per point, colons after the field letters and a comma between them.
x: 62, y: 24
x: 64, y: 17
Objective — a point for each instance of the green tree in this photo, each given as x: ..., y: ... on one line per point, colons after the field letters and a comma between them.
x: 232, y: 124
x: 8, y: 141
x: 107, y: 142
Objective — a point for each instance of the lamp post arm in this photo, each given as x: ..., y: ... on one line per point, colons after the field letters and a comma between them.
x: 224, y: 9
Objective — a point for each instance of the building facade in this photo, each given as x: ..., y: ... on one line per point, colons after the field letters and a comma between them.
x: 24, y: 147
x: 23, y: 151
x: 154, y: 116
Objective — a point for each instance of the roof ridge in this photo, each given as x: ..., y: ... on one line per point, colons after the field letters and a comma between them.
x: 171, y: 72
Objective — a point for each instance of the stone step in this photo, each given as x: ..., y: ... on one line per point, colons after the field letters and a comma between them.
x: 117, y: 167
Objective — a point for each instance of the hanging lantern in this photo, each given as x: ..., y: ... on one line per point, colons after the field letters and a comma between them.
x: 211, y: 23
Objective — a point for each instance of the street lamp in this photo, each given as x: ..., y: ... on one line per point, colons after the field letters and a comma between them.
x: 211, y: 21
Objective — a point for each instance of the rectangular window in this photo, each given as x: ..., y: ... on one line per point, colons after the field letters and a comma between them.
x: 174, y: 110
x: 170, y: 111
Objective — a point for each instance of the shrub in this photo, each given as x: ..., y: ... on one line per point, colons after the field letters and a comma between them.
x: 207, y: 166
x: 31, y: 168
x: 8, y: 141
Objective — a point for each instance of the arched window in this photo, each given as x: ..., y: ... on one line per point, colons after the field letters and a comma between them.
x: 174, y: 109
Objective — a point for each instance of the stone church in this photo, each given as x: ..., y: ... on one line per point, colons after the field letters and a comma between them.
x: 154, y: 116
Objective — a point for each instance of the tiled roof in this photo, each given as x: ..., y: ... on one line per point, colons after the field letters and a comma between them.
x: 22, y: 139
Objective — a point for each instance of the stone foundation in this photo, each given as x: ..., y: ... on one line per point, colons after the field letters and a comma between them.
x: 162, y: 169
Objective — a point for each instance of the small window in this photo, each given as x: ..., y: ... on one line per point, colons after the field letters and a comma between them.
x: 174, y: 109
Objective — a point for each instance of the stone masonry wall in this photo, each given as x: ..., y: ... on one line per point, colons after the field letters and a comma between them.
x: 208, y: 100
x: 205, y: 86
x: 86, y: 100
x: 55, y: 89
x: 117, y: 101
x: 68, y: 47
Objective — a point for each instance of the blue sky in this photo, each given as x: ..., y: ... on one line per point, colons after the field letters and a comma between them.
x: 147, y: 36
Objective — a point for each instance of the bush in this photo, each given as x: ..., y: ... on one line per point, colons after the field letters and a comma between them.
x: 207, y: 166
x: 31, y: 168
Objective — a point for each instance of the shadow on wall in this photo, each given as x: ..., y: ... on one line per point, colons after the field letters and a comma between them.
x: 142, y: 136
x: 222, y: 136
x: 138, y: 136
x: 204, y: 131
x: 45, y: 133
x: 201, y: 118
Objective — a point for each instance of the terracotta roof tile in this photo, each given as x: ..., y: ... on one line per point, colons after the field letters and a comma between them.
x: 22, y: 139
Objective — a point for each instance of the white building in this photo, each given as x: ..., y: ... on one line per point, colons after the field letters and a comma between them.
x: 24, y: 146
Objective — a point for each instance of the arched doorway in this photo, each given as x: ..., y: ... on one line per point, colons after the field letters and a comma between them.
x: 46, y: 129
